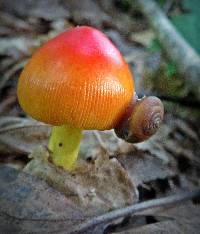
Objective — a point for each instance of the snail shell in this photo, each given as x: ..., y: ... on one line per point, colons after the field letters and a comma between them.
x: 143, y: 122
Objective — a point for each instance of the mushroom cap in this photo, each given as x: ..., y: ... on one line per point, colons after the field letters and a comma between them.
x: 77, y: 78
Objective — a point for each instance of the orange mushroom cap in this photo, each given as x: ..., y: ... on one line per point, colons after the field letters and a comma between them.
x: 77, y: 78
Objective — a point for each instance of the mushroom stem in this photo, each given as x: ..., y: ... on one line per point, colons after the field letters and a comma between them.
x: 64, y: 145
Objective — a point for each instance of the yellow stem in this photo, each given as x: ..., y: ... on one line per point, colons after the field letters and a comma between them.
x: 64, y: 144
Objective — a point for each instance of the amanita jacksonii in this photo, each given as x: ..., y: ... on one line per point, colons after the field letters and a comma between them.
x: 79, y: 80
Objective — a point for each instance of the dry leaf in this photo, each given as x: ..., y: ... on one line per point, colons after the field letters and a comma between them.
x: 184, y: 220
x: 46, y: 9
x: 101, y: 186
x: 144, y: 37
x: 29, y: 205
x: 13, y: 46
x: 20, y: 135
x: 23, y: 135
x: 94, y: 142
x: 143, y: 168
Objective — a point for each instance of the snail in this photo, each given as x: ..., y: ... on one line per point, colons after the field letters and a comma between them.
x: 142, y: 120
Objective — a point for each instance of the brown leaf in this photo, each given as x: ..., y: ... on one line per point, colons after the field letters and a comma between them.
x: 17, y: 45
x: 97, y: 187
x: 184, y: 220
x: 20, y: 135
x: 29, y: 205
x: 23, y: 135
x: 35, y: 8
x: 143, y: 168
x: 9, y: 74
x: 96, y: 142
x: 80, y: 13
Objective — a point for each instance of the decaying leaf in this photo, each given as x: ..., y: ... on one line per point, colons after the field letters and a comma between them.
x: 183, y: 219
x: 94, y: 142
x: 29, y: 205
x: 47, y: 9
x: 20, y: 135
x: 155, y: 145
x: 167, y: 162
x: 99, y: 186
x: 144, y: 162
x: 23, y: 135
x: 10, y: 73
x: 10, y: 46
x: 143, y: 168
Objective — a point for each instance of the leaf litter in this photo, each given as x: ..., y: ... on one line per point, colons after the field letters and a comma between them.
x: 111, y: 172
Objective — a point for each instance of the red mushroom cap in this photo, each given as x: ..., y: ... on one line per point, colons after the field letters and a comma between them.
x: 77, y: 78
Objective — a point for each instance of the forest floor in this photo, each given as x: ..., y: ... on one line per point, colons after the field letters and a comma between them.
x: 115, y: 174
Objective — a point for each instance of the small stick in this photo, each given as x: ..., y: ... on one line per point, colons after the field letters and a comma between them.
x: 11, y: 72
x: 184, y: 101
x: 101, y: 143
x: 110, y: 216
x: 176, y: 47
x: 130, y: 210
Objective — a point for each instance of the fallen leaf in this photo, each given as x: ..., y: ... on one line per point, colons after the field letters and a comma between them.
x: 144, y: 37
x: 47, y: 9
x: 143, y: 167
x: 13, y: 46
x: 95, y: 142
x: 29, y: 205
x: 81, y: 15
x: 21, y: 135
x: 100, y: 186
x: 9, y: 74
x: 183, y: 219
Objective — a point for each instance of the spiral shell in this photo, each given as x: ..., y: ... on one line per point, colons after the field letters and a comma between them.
x: 144, y: 121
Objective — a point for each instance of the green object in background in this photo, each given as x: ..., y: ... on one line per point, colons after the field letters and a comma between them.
x: 188, y: 23
x: 171, y: 69
x: 155, y: 46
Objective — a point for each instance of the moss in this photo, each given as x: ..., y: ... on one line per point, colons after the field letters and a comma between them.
x: 163, y: 78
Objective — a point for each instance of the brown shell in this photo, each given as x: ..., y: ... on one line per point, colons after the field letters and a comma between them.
x: 144, y: 121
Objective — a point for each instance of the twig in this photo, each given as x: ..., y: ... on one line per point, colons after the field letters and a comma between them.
x: 187, y: 102
x: 168, y: 5
x: 10, y: 73
x: 130, y: 210
x: 7, y: 104
x: 184, y: 101
x: 110, y: 216
x: 101, y: 143
x: 176, y: 47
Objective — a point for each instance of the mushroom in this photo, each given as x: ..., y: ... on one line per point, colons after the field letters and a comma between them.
x: 77, y: 80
